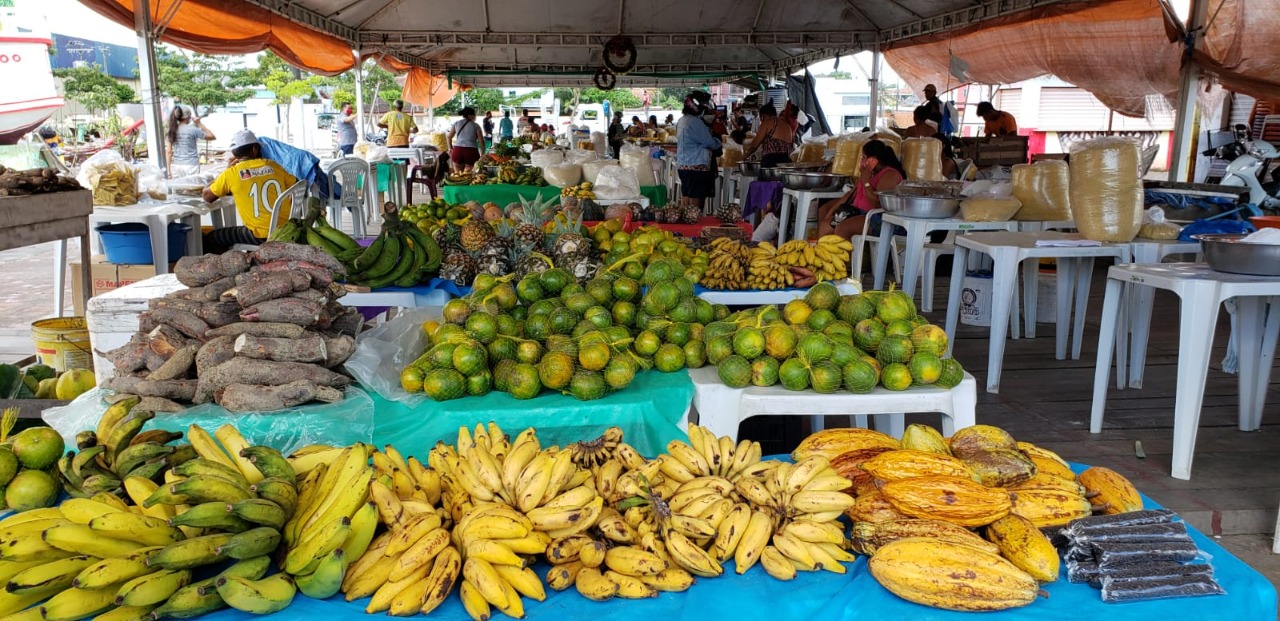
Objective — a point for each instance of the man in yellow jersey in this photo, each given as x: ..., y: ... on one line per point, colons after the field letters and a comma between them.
x: 255, y: 182
x: 398, y: 125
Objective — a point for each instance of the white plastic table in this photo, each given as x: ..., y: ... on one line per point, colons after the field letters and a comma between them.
x: 1007, y: 251
x: 157, y: 218
x: 802, y: 199
x: 721, y: 408
x: 1141, y: 300
x: 779, y: 296
x: 918, y: 230
x: 739, y: 186
x: 400, y: 297
x: 1202, y: 290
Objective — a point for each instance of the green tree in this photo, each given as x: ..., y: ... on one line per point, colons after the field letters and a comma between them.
x: 204, y: 81
x: 96, y: 91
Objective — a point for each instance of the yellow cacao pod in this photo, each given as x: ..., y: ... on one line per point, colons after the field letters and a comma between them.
x: 1025, y: 546
x: 830, y: 443
x: 979, y: 439
x: 1035, y: 451
x: 1049, y: 507
x: 849, y: 466
x: 924, y: 438
x: 1109, y: 491
x: 952, y: 576
x: 1050, y: 467
x: 1048, y: 482
x: 1000, y: 468
x: 950, y: 499
x: 867, y: 537
x: 909, y: 464
x: 872, y: 507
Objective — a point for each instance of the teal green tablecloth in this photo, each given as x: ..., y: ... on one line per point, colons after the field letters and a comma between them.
x: 503, y: 193
x: 649, y: 411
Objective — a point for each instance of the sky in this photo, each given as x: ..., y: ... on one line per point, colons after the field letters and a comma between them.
x: 69, y: 17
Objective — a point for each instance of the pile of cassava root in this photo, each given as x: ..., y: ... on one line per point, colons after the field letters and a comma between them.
x: 255, y: 332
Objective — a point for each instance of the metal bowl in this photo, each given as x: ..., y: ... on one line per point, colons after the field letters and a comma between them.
x: 749, y: 169
x: 806, y: 166
x: 813, y: 181
x: 1226, y: 253
x: 771, y: 174
x: 919, y: 206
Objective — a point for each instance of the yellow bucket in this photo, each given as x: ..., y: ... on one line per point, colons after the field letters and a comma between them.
x: 63, y: 343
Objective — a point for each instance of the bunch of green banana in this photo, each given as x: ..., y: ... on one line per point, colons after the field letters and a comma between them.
x: 118, y: 449
x: 325, y: 237
x: 334, y: 523
x: 401, y: 255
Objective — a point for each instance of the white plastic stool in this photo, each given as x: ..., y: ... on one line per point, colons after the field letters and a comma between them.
x: 1008, y: 251
x: 802, y: 199
x: 1141, y: 300
x: 932, y: 252
x: 860, y: 242
x: 1202, y: 290
x: 721, y: 409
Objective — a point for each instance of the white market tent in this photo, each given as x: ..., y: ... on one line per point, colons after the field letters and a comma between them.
x: 448, y: 46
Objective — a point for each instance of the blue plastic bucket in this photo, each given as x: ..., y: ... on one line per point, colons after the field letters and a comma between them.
x: 130, y: 243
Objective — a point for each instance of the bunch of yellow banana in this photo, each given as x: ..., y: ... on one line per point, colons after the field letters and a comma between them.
x: 764, y: 271
x: 828, y: 258
x: 586, y: 189
x: 334, y: 524
x: 791, y: 523
x: 727, y: 265
x: 497, y: 543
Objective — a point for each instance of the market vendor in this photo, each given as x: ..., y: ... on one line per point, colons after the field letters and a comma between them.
x: 932, y: 104
x: 880, y: 171
x: 999, y: 122
x: 694, y: 146
x: 615, y: 134
x: 467, y: 140
x: 921, y: 127
x: 184, y: 132
x: 256, y: 183
x: 398, y: 125
x: 506, y: 129
x: 637, y: 127
x: 773, y: 140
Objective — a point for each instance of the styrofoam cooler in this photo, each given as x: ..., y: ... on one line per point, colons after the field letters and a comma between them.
x: 1047, y: 298
x: 975, y: 299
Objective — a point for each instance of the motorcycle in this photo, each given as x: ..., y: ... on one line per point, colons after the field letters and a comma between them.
x: 1250, y: 163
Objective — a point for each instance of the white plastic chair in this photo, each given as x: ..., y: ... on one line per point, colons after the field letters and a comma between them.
x: 860, y: 243
x: 297, y: 195
x: 932, y: 252
x: 354, y: 175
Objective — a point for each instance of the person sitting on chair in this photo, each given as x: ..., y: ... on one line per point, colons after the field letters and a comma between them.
x: 880, y: 171
x: 256, y: 183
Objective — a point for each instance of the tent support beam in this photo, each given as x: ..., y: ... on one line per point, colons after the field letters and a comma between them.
x: 1184, y: 127
x: 150, y: 87
x: 873, y: 116
x: 360, y: 123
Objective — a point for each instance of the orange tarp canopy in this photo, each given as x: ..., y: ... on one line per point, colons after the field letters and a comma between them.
x: 1118, y: 50
x: 1239, y: 46
x: 420, y: 87
x: 236, y: 27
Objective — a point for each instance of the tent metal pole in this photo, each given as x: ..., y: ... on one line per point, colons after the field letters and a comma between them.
x: 360, y: 123
x: 431, y: 101
x: 150, y: 89
x: 873, y: 118
x: 1183, y: 128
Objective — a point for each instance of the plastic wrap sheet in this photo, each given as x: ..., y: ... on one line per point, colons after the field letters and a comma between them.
x: 849, y: 153
x: 341, y: 423
x: 591, y: 170
x: 1044, y: 188
x: 638, y: 160
x: 543, y: 158
x: 854, y: 596
x: 812, y: 150
x: 649, y: 410
x: 922, y: 158
x: 580, y: 156
x: 617, y: 182
x: 564, y: 175
x: 1118, y: 50
x: 1106, y: 189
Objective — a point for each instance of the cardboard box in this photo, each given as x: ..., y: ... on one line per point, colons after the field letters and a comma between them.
x: 106, y: 277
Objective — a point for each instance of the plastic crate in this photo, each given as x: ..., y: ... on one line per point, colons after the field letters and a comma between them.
x: 130, y: 243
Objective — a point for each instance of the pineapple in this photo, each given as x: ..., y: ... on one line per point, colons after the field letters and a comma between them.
x: 529, y: 263
x: 568, y: 240
x: 475, y: 235
x: 690, y: 214
x: 501, y: 243
x: 448, y: 235
x: 458, y: 266
x: 729, y: 213
x: 533, y: 216
x: 493, y: 265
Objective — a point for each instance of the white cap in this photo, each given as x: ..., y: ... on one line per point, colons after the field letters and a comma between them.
x: 242, y: 138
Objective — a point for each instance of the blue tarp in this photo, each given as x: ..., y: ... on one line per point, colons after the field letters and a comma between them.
x: 853, y: 596
x: 299, y: 163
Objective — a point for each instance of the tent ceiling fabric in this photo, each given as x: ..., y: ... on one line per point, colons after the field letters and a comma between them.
x: 1116, y: 49
x: 766, y: 37
x: 1239, y: 46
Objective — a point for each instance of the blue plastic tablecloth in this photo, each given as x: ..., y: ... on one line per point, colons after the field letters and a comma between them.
x: 649, y: 412
x: 855, y: 595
